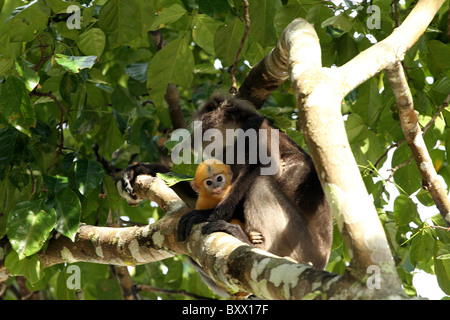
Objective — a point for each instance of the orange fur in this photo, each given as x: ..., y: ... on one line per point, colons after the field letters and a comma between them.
x: 209, y: 196
x: 209, y: 169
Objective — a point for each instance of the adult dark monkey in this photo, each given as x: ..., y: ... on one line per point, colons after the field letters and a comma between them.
x: 288, y: 207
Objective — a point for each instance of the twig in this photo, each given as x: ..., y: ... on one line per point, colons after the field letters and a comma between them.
x: 398, y: 143
x: 438, y: 112
x: 126, y: 284
x: 439, y: 227
x: 234, y: 89
x: 401, y: 165
x: 395, y: 12
x: 43, y: 58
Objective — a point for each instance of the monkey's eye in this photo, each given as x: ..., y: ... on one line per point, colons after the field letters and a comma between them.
x: 220, y: 178
x: 208, y: 183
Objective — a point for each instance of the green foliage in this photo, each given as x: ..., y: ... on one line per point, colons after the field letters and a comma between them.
x: 29, y: 224
x: 75, y: 99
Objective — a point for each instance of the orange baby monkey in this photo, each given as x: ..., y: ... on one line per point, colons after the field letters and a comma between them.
x: 212, y: 182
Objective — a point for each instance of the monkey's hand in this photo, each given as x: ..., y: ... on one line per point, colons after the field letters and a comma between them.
x: 224, y: 210
x: 124, y: 184
x: 223, y: 226
x: 189, y: 220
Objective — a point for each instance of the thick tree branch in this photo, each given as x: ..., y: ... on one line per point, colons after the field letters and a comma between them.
x: 235, y: 266
x: 413, y: 133
x: 317, y: 92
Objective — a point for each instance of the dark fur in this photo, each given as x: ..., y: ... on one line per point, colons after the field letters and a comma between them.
x: 289, y: 209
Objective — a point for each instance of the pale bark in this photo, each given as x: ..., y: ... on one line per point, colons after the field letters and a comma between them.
x: 319, y: 92
x: 238, y: 268
x: 413, y: 133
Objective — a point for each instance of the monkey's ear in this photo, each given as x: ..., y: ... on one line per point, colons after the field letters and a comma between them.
x: 195, y: 186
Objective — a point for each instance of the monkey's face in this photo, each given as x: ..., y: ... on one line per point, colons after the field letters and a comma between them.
x: 216, y: 185
x: 212, y: 178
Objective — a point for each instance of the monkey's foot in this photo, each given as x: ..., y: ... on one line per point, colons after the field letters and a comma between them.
x: 256, y: 237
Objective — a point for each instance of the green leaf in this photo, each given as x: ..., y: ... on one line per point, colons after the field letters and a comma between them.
x: 29, y: 267
x: 88, y: 175
x: 15, y: 105
x: 405, y: 210
x: 55, y: 183
x: 30, y: 78
x: 422, y: 247
x: 92, y: 42
x: 109, y: 139
x: 113, y: 196
x: 286, y: 14
x: 425, y: 198
x: 68, y: 212
x: 347, y: 48
x: 262, y: 13
x: 68, y: 86
x: 442, y: 267
x: 172, y: 64
x: 121, y: 20
x: 340, y: 21
x: 168, y: 15
x: 75, y: 63
x: 62, y: 291
x: 355, y: 127
x: 437, y: 57
x: 407, y: 177
x: 8, y: 137
x: 175, y: 270
x: 29, y: 225
x: 26, y: 22
x: 137, y: 71
x: 227, y: 40
x: 213, y: 7
x: 59, y: 6
x: 368, y: 149
x: 204, y: 30
x: 172, y: 178
x: 440, y: 90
